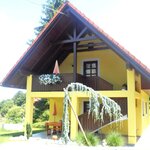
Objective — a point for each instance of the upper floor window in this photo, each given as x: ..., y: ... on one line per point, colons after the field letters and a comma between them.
x: 90, y: 68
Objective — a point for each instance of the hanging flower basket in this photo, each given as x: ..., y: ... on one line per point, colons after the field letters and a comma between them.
x: 50, y: 79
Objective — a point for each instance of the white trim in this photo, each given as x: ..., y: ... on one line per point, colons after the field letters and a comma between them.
x: 91, y: 59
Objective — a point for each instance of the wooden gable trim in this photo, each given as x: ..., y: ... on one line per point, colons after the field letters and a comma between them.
x: 69, y: 8
x: 110, y: 43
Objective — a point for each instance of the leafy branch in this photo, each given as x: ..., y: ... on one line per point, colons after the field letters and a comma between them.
x: 96, y: 100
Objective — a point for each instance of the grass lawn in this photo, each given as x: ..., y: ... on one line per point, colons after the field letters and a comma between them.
x: 4, y: 139
x: 5, y: 135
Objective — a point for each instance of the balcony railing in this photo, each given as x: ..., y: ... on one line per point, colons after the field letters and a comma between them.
x: 94, y: 82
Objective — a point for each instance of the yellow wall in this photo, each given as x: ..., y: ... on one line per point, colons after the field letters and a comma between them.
x: 59, y: 108
x: 111, y: 67
x: 121, y: 127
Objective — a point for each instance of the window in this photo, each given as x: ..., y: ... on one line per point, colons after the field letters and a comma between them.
x: 90, y: 68
x: 86, y: 106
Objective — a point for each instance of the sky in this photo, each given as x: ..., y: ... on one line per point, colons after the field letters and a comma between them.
x: 127, y: 21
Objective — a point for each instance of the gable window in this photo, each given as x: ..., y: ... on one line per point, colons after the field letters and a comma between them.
x: 90, y: 68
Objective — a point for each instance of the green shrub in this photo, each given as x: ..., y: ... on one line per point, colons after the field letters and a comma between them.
x: 115, y: 139
x: 92, y: 139
x: 39, y: 125
x: 45, y: 115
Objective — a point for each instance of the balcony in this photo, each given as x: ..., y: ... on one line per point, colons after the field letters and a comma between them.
x: 94, y: 82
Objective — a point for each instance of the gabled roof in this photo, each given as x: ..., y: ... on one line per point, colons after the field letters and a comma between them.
x: 43, y: 52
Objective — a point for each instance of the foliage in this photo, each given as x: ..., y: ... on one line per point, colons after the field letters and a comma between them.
x: 48, y: 11
x: 5, y: 106
x: 14, y: 112
x: 50, y: 79
x: 96, y: 101
x: 28, y: 130
x: 93, y: 140
x: 65, y: 121
x: 15, y: 115
x: 41, y: 111
x: 39, y: 125
x: 19, y: 98
x: 42, y: 104
x: 115, y: 139
x: 45, y: 115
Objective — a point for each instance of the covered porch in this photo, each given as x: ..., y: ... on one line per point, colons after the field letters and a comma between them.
x: 134, y: 104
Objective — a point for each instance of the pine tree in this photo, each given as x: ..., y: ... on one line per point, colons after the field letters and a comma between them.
x: 49, y: 10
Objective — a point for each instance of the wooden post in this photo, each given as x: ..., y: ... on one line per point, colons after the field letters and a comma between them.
x: 74, y: 56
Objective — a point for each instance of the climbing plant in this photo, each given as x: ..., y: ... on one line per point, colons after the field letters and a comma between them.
x: 96, y: 100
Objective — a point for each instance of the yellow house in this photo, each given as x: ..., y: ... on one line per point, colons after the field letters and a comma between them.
x: 88, y: 55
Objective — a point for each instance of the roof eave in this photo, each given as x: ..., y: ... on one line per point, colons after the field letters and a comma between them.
x: 17, y: 65
x: 109, y: 41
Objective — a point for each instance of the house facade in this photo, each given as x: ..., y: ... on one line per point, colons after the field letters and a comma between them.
x: 88, y: 55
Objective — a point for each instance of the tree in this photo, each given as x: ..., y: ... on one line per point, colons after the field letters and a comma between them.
x: 41, y: 108
x: 49, y: 10
x: 108, y: 106
x: 5, y: 106
x: 13, y: 109
x: 19, y: 98
x: 15, y: 115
